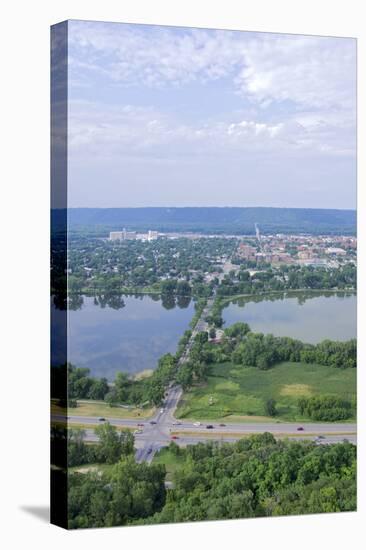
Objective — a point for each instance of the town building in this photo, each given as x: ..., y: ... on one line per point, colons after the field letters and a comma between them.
x: 152, y: 235
x: 122, y: 235
x: 246, y: 251
x: 333, y: 251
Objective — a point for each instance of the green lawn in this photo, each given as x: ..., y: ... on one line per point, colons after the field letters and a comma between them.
x: 171, y: 462
x: 102, y: 409
x: 237, y: 393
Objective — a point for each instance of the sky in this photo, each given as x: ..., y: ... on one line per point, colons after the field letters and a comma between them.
x: 169, y: 116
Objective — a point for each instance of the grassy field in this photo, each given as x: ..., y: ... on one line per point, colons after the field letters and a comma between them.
x: 102, y: 468
x: 235, y: 393
x: 101, y: 409
x: 171, y: 462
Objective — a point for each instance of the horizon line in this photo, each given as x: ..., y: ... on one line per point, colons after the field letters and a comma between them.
x: 354, y: 209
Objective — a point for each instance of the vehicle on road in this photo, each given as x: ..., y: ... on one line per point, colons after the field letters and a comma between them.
x: 137, y: 432
x: 197, y: 424
x: 174, y: 437
x: 101, y: 419
x: 300, y: 429
x: 152, y: 422
x: 209, y: 426
x: 321, y: 437
x: 149, y: 450
x: 177, y: 423
x: 222, y: 425
x: 161, y: 410
x: 139, y: 424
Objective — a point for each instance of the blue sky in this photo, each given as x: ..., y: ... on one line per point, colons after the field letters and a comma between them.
x: 164, y: 116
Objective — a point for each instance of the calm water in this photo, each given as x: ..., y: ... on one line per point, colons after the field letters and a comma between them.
x: 310, y: 318
x: 130, y: 338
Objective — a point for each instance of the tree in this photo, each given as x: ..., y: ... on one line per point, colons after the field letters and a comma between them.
x: 184, y: 376
x: 113, y: 444
x: 127, y: 442
x: 99, y: 389
x: 121, y: 385
x: 183, y: 288
x: 270, y: 407
x: 137, y: 491
x: 156, y: 391
x: 77, y: 451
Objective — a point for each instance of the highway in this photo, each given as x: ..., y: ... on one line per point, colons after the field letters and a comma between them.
x: 159, y: 430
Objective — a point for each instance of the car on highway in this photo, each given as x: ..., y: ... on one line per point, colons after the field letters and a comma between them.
x: 177, y: 423
x: 209, y: 426
x: 197, y: 424
x: 149, y: 451
x: 101, y: 419
x: 137, y: 432
x: 321, y: 437
x: 161, y: 410
x: 174, y: 437
x: 222, y: 425
x: 300, y: 429
x: 140, y: 424
x: 152, y: 422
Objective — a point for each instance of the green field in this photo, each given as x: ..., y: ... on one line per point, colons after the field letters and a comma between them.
x: 171, y: 462
x: 102, y: 409
x: 236, y: 393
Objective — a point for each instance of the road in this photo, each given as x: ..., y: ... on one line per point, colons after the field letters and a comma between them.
x: 159, y: 430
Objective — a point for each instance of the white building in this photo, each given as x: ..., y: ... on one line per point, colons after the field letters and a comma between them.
x: 122, y: 235
x: 152, y: 235
x: 116, y: 236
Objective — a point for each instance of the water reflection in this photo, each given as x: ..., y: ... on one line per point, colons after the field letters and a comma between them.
x: 310, y: 317
x: 123, y: 333
x: 116, y: 301
x: 300, y: 297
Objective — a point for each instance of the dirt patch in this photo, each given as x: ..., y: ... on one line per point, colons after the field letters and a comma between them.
x: 296, y: 390
x: 143, y: 374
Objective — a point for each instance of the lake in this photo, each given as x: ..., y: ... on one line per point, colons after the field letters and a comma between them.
x: 127, y: 334
x: 309, y: 317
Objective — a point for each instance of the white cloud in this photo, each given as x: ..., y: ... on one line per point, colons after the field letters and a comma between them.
x: 298, y: 93
x: 317, y: 72
x: 221, y: 115
x: 103, y: 131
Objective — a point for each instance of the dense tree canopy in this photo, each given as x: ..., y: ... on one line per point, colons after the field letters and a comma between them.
x: 264, y: 351
x: 257, y: 476
x: 327, y: 408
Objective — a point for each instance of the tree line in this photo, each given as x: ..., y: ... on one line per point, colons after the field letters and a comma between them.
x: 111, y: 446
x: 264, y: 351
x: 124, y: 389
x: 326, y: 408
x: 287, y: 278
x: 254, y: 477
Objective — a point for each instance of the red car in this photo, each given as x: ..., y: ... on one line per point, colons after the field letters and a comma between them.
x: 140, y: 424
x: 175, y: 437
x: 300, y: 429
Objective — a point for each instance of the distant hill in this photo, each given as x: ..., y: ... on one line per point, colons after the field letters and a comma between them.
x: 235, y: 220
